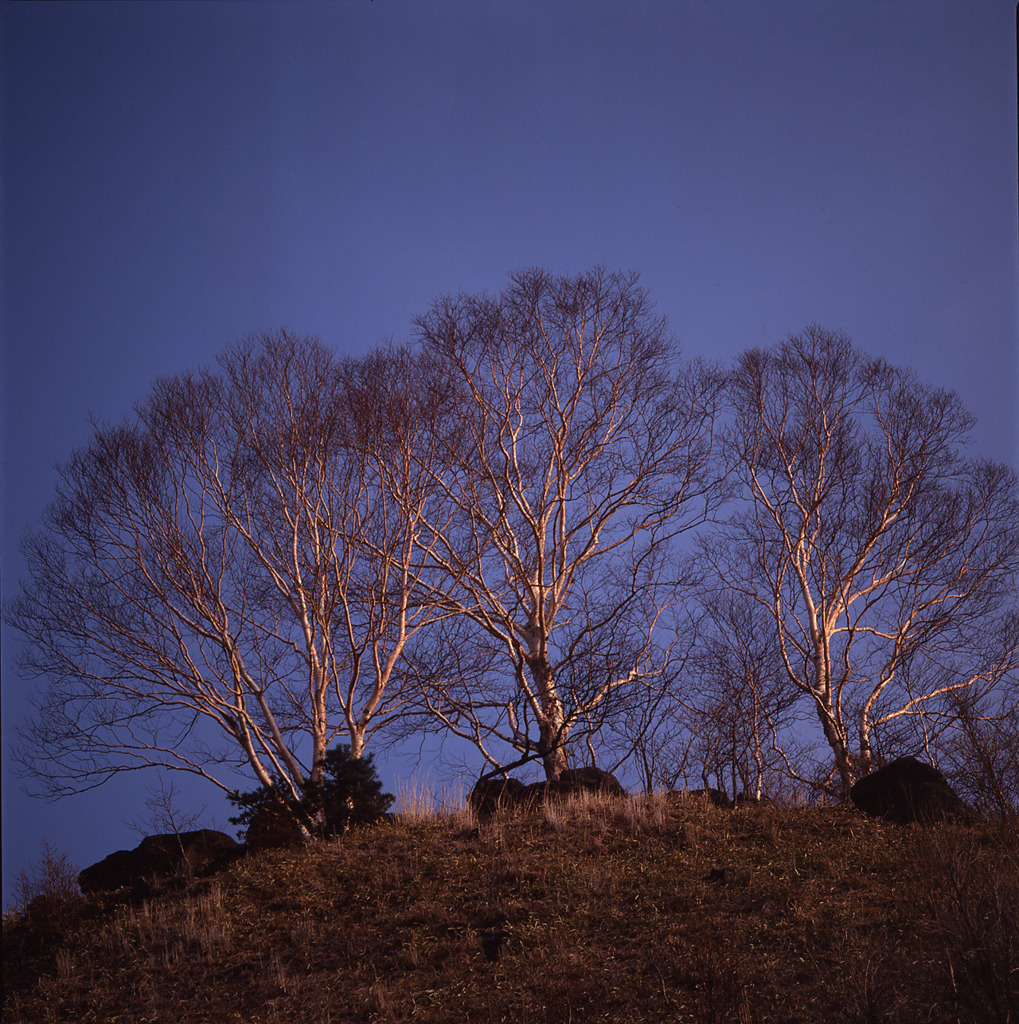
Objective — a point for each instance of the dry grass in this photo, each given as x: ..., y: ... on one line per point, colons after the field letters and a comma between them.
x: 630, y: 910
x: 418, y: 800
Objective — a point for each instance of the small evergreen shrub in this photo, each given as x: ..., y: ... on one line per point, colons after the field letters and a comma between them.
x: 350, y: 794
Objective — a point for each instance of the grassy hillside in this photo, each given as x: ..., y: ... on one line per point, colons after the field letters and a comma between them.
x: 649, y: 909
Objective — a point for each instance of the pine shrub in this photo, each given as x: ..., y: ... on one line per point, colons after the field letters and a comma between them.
x: 349, y: 795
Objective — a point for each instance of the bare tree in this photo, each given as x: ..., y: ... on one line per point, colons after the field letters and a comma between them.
x: 884, y: 559
x: 223, y: 582
x: 979, y: 752
x: 164, y: 815
x: 736, y: 704
x: 578, y: 452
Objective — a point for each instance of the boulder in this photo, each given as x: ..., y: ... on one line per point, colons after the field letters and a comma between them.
x: 488, y: 795
x: 590, y: 780
x: 158, y: 857
x: 715, y: 797
x: 536, y: 794
x: 493, y: 942
x: 720, y: 876
x: 571, y: 782
x: 907, y: 791
x: 745, y: 799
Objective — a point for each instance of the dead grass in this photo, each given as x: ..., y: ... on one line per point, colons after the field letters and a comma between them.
x: 628, y: 910
x: 418, y: 800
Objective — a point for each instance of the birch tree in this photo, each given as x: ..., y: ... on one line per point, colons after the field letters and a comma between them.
x: 734, y: 700
x: 221, y: 583
x: 580, y: 451
x: 884, y: 558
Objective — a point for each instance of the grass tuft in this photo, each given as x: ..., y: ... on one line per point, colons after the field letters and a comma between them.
x: 417, y: 801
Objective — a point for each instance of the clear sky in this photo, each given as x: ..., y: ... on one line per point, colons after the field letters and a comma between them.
x: 176, y: 176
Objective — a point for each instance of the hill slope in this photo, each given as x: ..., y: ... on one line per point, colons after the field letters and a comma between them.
x: 632, y: 910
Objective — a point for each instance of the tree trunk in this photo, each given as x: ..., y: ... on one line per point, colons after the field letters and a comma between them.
x: 552, y: 729
x: 840, y: 748
x: 553, y: 752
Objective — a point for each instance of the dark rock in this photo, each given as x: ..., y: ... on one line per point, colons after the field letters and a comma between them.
x: 536, y: 794
x: 907, y: 791
x: 715, y: 797
x: 493, y: 942
x: 571, y: 782
x: 591, y: 780
x: 749, y: 800
x: 159, y: 857
x: 488, y: 795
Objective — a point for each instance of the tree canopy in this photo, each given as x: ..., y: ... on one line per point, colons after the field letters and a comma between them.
x: 537, y: 528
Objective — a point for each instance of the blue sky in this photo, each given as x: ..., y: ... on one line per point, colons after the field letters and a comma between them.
x: 177, y: 176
